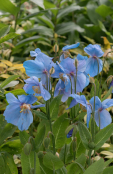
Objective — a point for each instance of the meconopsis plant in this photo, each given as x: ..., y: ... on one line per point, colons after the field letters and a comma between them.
x: 63, y: 83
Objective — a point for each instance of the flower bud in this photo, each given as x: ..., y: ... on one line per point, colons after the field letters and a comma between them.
x: 40, y: 154
x: 27, y: 148
x: 56, y: 48
x: 52, y: 70
x: 46, y: 142
x: 76, y: 62
x: 91, y: 145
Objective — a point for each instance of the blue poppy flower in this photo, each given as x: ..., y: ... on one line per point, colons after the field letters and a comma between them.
x: 67, y: 66
x: 60, y: 89
x: 39, y: 67
x: 33, y: 86
x: 92, y: 63
x: 70, y: 133
x: 100, y: 111
x: 81, y: 100
x: 18, y: 112
x: 65, y: 50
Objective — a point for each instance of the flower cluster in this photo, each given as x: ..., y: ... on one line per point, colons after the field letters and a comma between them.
x: 73, y: 76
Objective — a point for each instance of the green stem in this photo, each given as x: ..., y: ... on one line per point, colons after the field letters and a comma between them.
x: 93, y: 116
x: 89, y: 162
x: 65, y: 155
x: 34, y: 162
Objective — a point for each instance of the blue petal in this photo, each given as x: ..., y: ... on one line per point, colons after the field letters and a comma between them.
x: 81, y: 82
x: 11, y: 98
x: 98, y: 103
x: 94, y: 50
x: 12, y: 113
x: 29, y: 99
x: 37, y: 50
x: 33, y: 53
x: 105, y: 118
x: 67, y: 47
x: 34, y: 68
x: 81, y: 65
x: 25, y: 120
x: 72, y: 104
x: 28, y: 88
x: 37, y: 106
x: 70, y: 133
x: 61, y: 57
x: 107, y: 103
x: 88, y: 114
x: 80, y: 57
x: 44, y: 59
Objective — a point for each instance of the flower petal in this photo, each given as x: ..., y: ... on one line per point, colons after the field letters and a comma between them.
x: 107, y: 103
x: 98, y: 103
x: 67, y: 47
x: 94, y: 50
x: 29, y: 99
x: 11, y: 98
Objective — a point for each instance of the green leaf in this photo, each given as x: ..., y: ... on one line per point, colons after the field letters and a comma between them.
x: 7, y: 131
x: 39, y: 3
x: 47, y: 21
x: 30, y: 39
x: 52, y: 161
x: 39, y: 138
x: 95, y: 168
x: 2, y: 164
x: 80, y: 147
x: 16, y: 92
x: 84, y: 134
x: 108, y: 93
x: 8, y: 6
x: 8, y: 80
x: 40, y: 114
x: 91, y: 7
x: 77, y: 165
x: 10, y: 163
x: 41, y: 30
x: 59, y: 128
x: 108, y: 170
x: 3, y: 122
x: 24, y: 136
x: 102, y: 136
x: 102, y: 27
x: 43, y: 168
x: 108, y: 162
x: 8, y: 36
x: 65, y: 11
x: 54, y: 107
x: 104, y: 10
x: 4, y: 31
x: 68, y: 27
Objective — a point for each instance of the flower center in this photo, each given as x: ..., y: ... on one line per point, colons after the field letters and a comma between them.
x: 25, y: 108
x: 100, y: 109
x: 72, y: 73
x: 45, y: 71
x: 36, y: 89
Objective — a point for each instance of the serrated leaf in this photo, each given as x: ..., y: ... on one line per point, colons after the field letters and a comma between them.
x: 52, y: 161
x: 39, y: 138
x: 59, y: 128
x: 40, y: 114
x: 24, y: 136
x: 54, y: 107
x: 84, y: 134
x: 7, y: 81
x: 8, y: 36
x: 102, y: 136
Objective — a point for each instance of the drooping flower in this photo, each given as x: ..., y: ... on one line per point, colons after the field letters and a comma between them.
x: 92, y: 63
x: 66, y: 52
x: 101, y: 114
x: 81, y: 100
x: 39, y: 67
x: 67, y: 66
x: 18, y: 112
x: 35, y: 87
x: 60, y: 89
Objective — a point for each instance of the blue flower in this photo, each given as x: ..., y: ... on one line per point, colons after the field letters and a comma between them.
x: 66, y: 52
x: 67, y: 66
x: 70, y: 133
x: 33, y: 86
x: 60, y: 89
x: 35, y: 53
x: 39, y: 67
x: 100, y: 111
x: 18, y: 112
x: 92, y: 63
x: 82, y: 100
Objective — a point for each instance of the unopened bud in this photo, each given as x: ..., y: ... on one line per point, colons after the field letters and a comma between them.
x: 52, y: 70
x: 91, y: 79
x: 27, y: 148
x: 46, y: 142
x: 40, y: 154
x: 32, y: 171
x: 55, y: 35
x: 56, y: 48
x: 91, y: 145
x: 76, y: 63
